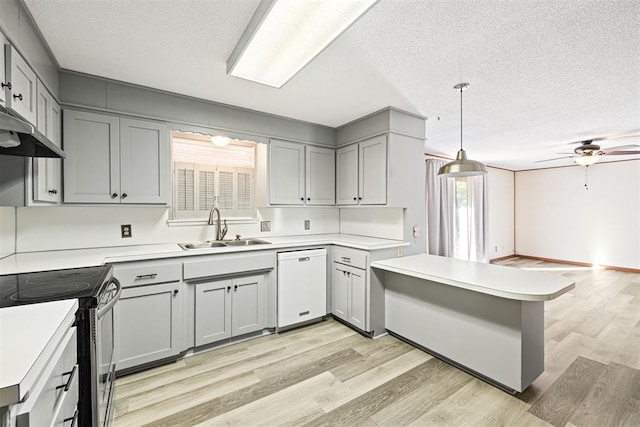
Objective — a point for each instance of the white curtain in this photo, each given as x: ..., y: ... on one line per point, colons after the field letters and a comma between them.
x: 441, y: 202
x: 473, y: 222
x: 457, y: 215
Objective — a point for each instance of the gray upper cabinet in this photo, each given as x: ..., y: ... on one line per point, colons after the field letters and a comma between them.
x: 21, y: 98
x: 47, y: 171
x: 362, y: 172
x: 286, y: 173
x: 113, y: 160
x: 3, y: 80
x: 347, y: 175
x: 320, y: 184
x: 145, y: 165
x: 372, y: 171
x: 300, y: 174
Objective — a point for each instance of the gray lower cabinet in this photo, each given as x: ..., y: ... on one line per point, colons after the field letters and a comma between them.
x: 148, y: 319
x: 228, y: 308
x: 349, y: 294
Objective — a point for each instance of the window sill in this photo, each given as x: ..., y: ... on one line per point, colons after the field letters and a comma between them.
x: 230, y: 221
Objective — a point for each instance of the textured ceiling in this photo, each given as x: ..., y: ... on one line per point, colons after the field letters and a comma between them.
x: 543, y: 73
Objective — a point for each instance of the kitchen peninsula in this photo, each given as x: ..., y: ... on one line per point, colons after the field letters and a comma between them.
x: 484, y: 318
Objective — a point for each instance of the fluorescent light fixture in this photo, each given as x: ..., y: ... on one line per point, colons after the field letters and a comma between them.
x: 285, y: 35
x: 586, y: 160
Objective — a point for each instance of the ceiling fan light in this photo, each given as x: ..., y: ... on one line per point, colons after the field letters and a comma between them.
x: 585, y: 160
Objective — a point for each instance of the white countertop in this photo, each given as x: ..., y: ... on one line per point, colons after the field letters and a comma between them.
x: 497, y: 280
x: 53, y: 260
x: 29, y: 335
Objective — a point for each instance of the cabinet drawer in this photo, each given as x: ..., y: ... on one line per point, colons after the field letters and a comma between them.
x: 147, y: 273
x: 220, y: 265
x: 351, y: 257
x: 56, y: 384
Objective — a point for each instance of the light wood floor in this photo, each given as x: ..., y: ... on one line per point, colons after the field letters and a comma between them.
x: 326, y: 374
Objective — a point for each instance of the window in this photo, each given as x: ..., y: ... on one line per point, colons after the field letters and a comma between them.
x: 207, y: 176
x: 470, y: 219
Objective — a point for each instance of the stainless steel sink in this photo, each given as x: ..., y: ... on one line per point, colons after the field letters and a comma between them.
x: 201, y: 245
x: 218, y: 244
x: 246, y: 242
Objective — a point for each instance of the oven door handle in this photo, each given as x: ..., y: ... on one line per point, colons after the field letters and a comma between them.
x: 104, y: 310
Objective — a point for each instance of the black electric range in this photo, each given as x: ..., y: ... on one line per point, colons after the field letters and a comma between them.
x: 97, y: 292
x: 85, y: 284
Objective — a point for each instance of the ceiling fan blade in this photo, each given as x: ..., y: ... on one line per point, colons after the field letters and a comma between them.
x: 573, y: 154
x: 621, y: 147
x: 620, y: 153
x: 557, y: 158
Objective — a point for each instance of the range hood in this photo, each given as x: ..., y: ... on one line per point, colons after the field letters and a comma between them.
x: 19, y: 138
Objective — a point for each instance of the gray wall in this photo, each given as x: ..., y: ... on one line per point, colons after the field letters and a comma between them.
x: 18, y: 27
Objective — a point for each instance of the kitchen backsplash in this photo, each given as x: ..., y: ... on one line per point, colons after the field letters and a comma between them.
x: 7, y: 231
x: 74, y: 227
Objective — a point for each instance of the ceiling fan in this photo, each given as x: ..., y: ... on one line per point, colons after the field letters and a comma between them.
x: 588, y: 152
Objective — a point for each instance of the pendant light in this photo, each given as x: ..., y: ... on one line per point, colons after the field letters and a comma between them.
x: 462, y: 166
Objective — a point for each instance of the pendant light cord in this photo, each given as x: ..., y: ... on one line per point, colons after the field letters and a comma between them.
x: 461, y: 118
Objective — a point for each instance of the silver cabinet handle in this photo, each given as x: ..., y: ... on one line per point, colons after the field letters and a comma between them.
x: 303, y: 259
x: 345, y: 259
x: 147, y: 276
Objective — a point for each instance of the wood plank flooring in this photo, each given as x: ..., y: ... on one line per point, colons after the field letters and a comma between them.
x: 328, y: 375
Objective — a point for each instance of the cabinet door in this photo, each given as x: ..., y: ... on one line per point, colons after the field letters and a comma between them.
x: 92, y: 167
x: 46, y: 180
x: 22, y: 97
x: 357, y: 298
x: 213, y: 311
x: 3, y: 80
x: 145, y: 167
x: 320, y: 176
x: 286, y: 173
x: 347, y: 175
x: 372, y: 188
x: 42, y: 108
x: 54, y: 131
x: 148, y: 319
x: 340, y: 292
x: 248, y: 305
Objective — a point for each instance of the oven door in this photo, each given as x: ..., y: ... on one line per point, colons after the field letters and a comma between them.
x: 105, y: 351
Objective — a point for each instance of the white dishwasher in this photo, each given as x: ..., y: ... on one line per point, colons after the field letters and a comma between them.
x: 302, y: 286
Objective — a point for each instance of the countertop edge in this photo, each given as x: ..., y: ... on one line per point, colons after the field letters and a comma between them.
x: 472, y: 287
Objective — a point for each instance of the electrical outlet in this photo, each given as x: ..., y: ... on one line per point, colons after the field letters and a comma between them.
x: 125, y: 230
x: 307, y: 224
x: 495, y: 249
x: 265, y: 225
x: 400, y: 251
x: 416, y: 231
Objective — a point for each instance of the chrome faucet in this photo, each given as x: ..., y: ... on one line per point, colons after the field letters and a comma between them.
x: 220, y: 232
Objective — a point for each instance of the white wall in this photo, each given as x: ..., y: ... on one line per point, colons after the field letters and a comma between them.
x: 557, y: 218
x: 7, y: 231
x: 501, y: 212
x: 386, y: 223
x: 72, y: 227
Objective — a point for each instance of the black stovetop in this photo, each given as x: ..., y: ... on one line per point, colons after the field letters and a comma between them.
x: 44, y: 286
